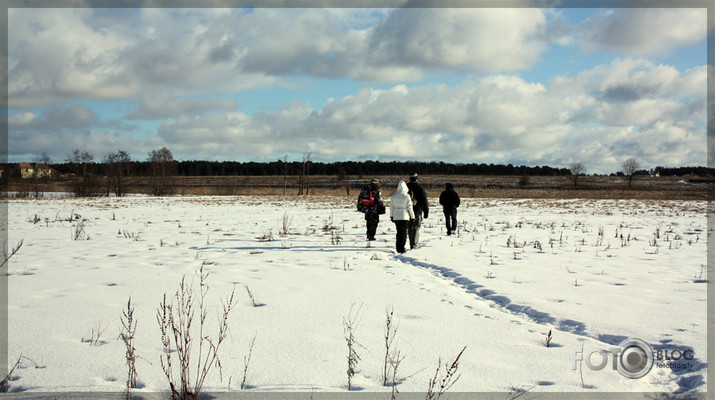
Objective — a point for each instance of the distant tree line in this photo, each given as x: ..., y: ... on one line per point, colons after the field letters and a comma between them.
x: 681, y: 171
x: 169, y: 167
x: 115, y: 173
x: 342, y: 168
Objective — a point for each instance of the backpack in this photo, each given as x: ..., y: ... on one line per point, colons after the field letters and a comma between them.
x: 366, y: 198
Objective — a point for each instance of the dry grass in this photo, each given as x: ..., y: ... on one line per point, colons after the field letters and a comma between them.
x: 538, y: 187
x: 442, y: 382
x: 178, y: 337
x: 129, y: 328
x: 349, y: 327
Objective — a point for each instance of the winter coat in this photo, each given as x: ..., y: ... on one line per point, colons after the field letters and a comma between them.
x: 449, y: 199
x: 401, y: 204
x: 420, y: 196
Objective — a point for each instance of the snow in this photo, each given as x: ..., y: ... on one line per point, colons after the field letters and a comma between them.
x: 594, y: 272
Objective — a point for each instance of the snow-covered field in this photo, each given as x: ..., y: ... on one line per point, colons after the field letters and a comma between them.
x: 593, y: 272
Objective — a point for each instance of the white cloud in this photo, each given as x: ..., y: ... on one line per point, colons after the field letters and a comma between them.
x: 499, y: 118
x: 22, y: 119
x: 181, y: 66
x: 643, y: 31
x: 55, y: 55
x: 462, y: 39
x: 637, y: 92
x: 58, y: 54
x: 72, y: 116
x: 692, y: 82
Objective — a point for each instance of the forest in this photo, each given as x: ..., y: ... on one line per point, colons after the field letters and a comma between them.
x: 343, y: 168
x: 349, y: 168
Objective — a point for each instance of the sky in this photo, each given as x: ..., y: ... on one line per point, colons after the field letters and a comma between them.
x: 522, y: 86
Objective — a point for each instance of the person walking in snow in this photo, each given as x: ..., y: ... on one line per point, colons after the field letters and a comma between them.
x: 420, y: 208
x: 449, y: 199
x: 370, y: 203
x: 401, y: 212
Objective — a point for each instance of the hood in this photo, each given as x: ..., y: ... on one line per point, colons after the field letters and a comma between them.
x: 402, y: 187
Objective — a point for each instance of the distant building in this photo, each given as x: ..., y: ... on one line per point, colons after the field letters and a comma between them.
x: 25, y: 169
x: 36, y: 170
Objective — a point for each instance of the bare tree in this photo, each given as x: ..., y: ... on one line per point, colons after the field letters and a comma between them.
x: 118, y: 165
x: 343, y: 179
x: 306, y: 160
x: 630, y: 166
x: 44, y: 158
x: 285, y: 174
x: 80, y: 161
x: 161, y: 161
x: 577, y: 169
x: 303, y: 188
x: 109, y: 165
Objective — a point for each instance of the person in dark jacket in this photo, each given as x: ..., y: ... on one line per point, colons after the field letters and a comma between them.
x: 370, y: 203
x: 449, y: 199
x: 420, y: 208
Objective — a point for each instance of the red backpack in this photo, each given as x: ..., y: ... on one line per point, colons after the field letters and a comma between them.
x: 366, y: 197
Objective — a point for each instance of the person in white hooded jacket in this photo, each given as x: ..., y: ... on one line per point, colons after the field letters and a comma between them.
x: 400, y: 213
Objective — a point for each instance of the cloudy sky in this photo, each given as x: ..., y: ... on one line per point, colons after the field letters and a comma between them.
x: 526, y: 86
